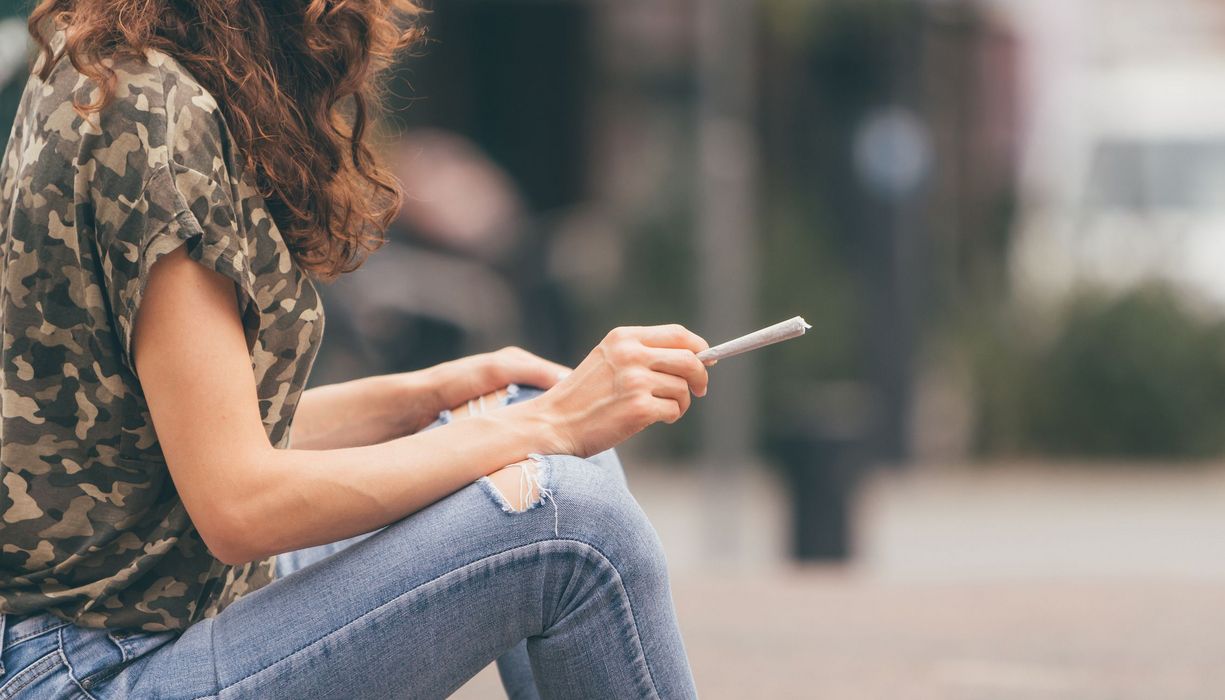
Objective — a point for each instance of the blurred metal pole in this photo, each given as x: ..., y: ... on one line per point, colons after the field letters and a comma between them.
x: 726, y: 246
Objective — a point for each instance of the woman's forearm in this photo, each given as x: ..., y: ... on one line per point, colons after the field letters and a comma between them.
x: 377, y: 409
x: 290, y: 499
x: 364, y: 411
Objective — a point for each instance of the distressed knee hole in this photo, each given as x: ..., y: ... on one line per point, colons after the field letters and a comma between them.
x: 520, y: 487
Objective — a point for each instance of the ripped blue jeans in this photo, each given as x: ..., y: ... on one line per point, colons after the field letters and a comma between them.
x: 571, y: 596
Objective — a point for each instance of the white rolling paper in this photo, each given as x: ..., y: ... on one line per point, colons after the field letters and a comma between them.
x: 791, y: 328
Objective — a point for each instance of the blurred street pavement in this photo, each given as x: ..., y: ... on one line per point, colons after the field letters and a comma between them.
x: 1003, y: 582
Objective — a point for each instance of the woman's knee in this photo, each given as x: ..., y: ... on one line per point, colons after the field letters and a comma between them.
x: 593, y: 505
x: 582, y: 500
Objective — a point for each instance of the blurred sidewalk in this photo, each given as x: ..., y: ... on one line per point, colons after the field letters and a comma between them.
x: 1018, y: 581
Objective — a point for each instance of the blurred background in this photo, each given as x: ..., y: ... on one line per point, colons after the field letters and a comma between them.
x: 995, y: 468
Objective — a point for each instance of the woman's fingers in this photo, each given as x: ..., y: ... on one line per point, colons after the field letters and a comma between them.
x: 681, y: 363
x: 518, y: 366
x: 672, y: 335
x: 540, y: 373
x: 674, y: 389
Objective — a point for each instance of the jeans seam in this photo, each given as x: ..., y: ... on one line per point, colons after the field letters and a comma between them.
x: 123, y: 652
x: 212, y: 644
x: 25, y: 638
x: 623, y: 592
x: 72, y: 674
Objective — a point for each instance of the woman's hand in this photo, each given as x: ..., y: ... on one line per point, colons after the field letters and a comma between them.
x: 635, y: 377
x: 456, y: 382
x: 384, y: 407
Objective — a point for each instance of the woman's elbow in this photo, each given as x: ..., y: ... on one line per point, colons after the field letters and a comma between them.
x: 229, y: 509
x: 229, y: 536
x: 232, y: 553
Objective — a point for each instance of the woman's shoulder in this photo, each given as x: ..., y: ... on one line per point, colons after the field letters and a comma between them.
x: 197, y: 137
x: 181, y: 92
x: 155, y: 106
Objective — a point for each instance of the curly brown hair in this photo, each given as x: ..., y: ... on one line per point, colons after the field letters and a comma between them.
x: 297, y: 83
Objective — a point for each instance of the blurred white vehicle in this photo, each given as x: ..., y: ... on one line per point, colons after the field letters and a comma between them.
x: 1133, y: 186
x: 1123, y: 175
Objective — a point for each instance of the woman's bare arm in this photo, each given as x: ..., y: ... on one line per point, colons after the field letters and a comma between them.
x: 364, y: 411
x: 249, y: 500
x: 381, y: 408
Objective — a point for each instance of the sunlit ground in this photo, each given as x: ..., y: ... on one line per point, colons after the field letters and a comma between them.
x: 1019, y: 581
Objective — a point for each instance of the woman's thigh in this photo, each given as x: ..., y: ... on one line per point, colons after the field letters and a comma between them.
x: 422, y: 605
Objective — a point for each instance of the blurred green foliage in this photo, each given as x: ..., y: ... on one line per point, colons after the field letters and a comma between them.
x: 807, y: 275
x: 1137, y: 375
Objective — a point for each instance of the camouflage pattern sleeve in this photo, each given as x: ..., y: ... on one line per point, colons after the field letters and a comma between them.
x: 157, y: 179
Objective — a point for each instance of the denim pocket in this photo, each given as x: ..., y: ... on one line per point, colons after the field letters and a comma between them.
x: 96, y: 656
x: 30, y: 654
x: 134, y: 644
x: 35, y: 678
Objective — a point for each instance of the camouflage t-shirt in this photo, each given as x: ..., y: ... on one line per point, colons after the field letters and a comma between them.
x: 92, y: 528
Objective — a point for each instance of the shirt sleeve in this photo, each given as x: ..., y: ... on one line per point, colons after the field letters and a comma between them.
x: 147, y: 204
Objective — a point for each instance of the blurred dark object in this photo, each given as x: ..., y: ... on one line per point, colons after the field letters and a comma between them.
x: 514, y: 77
x: 823, y: 449
x: 821, y: 484
x: 1137, y: 375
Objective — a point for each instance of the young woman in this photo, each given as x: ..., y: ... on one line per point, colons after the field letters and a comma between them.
x: 177, y: 175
